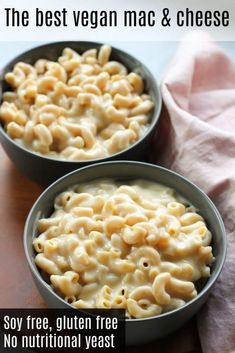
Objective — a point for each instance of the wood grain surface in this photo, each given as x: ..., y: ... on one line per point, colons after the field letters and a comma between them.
x: 17, y: 289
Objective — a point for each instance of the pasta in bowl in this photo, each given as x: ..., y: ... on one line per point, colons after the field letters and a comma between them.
x: 80, y: 107
x: 128, y: 241
x: 77, y: 102
x: 133, y: 246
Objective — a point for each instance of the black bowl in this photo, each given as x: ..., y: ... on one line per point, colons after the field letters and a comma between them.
x: 45, y: 169
x: 147, y: 329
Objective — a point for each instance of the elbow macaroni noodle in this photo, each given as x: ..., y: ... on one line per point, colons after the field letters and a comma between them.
x: 81, y: 107
x: 135, y: 246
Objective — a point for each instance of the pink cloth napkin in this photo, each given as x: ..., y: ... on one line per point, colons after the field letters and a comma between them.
x: 197, y: 139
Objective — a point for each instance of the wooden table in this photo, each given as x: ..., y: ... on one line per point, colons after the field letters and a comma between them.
x: 17, y: 289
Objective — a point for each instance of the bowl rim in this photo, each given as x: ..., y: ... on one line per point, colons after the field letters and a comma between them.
x: 155, y: 115
x: 205, y: 288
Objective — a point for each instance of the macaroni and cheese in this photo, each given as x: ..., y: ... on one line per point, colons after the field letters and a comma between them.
x: 81, y: 107
x: 136, y: 246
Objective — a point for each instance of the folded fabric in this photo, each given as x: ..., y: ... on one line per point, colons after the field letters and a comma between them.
x: 196, y: 138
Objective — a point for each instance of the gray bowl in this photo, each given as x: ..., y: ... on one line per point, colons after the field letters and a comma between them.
x: 44, y: 169
x: 138, y: 330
